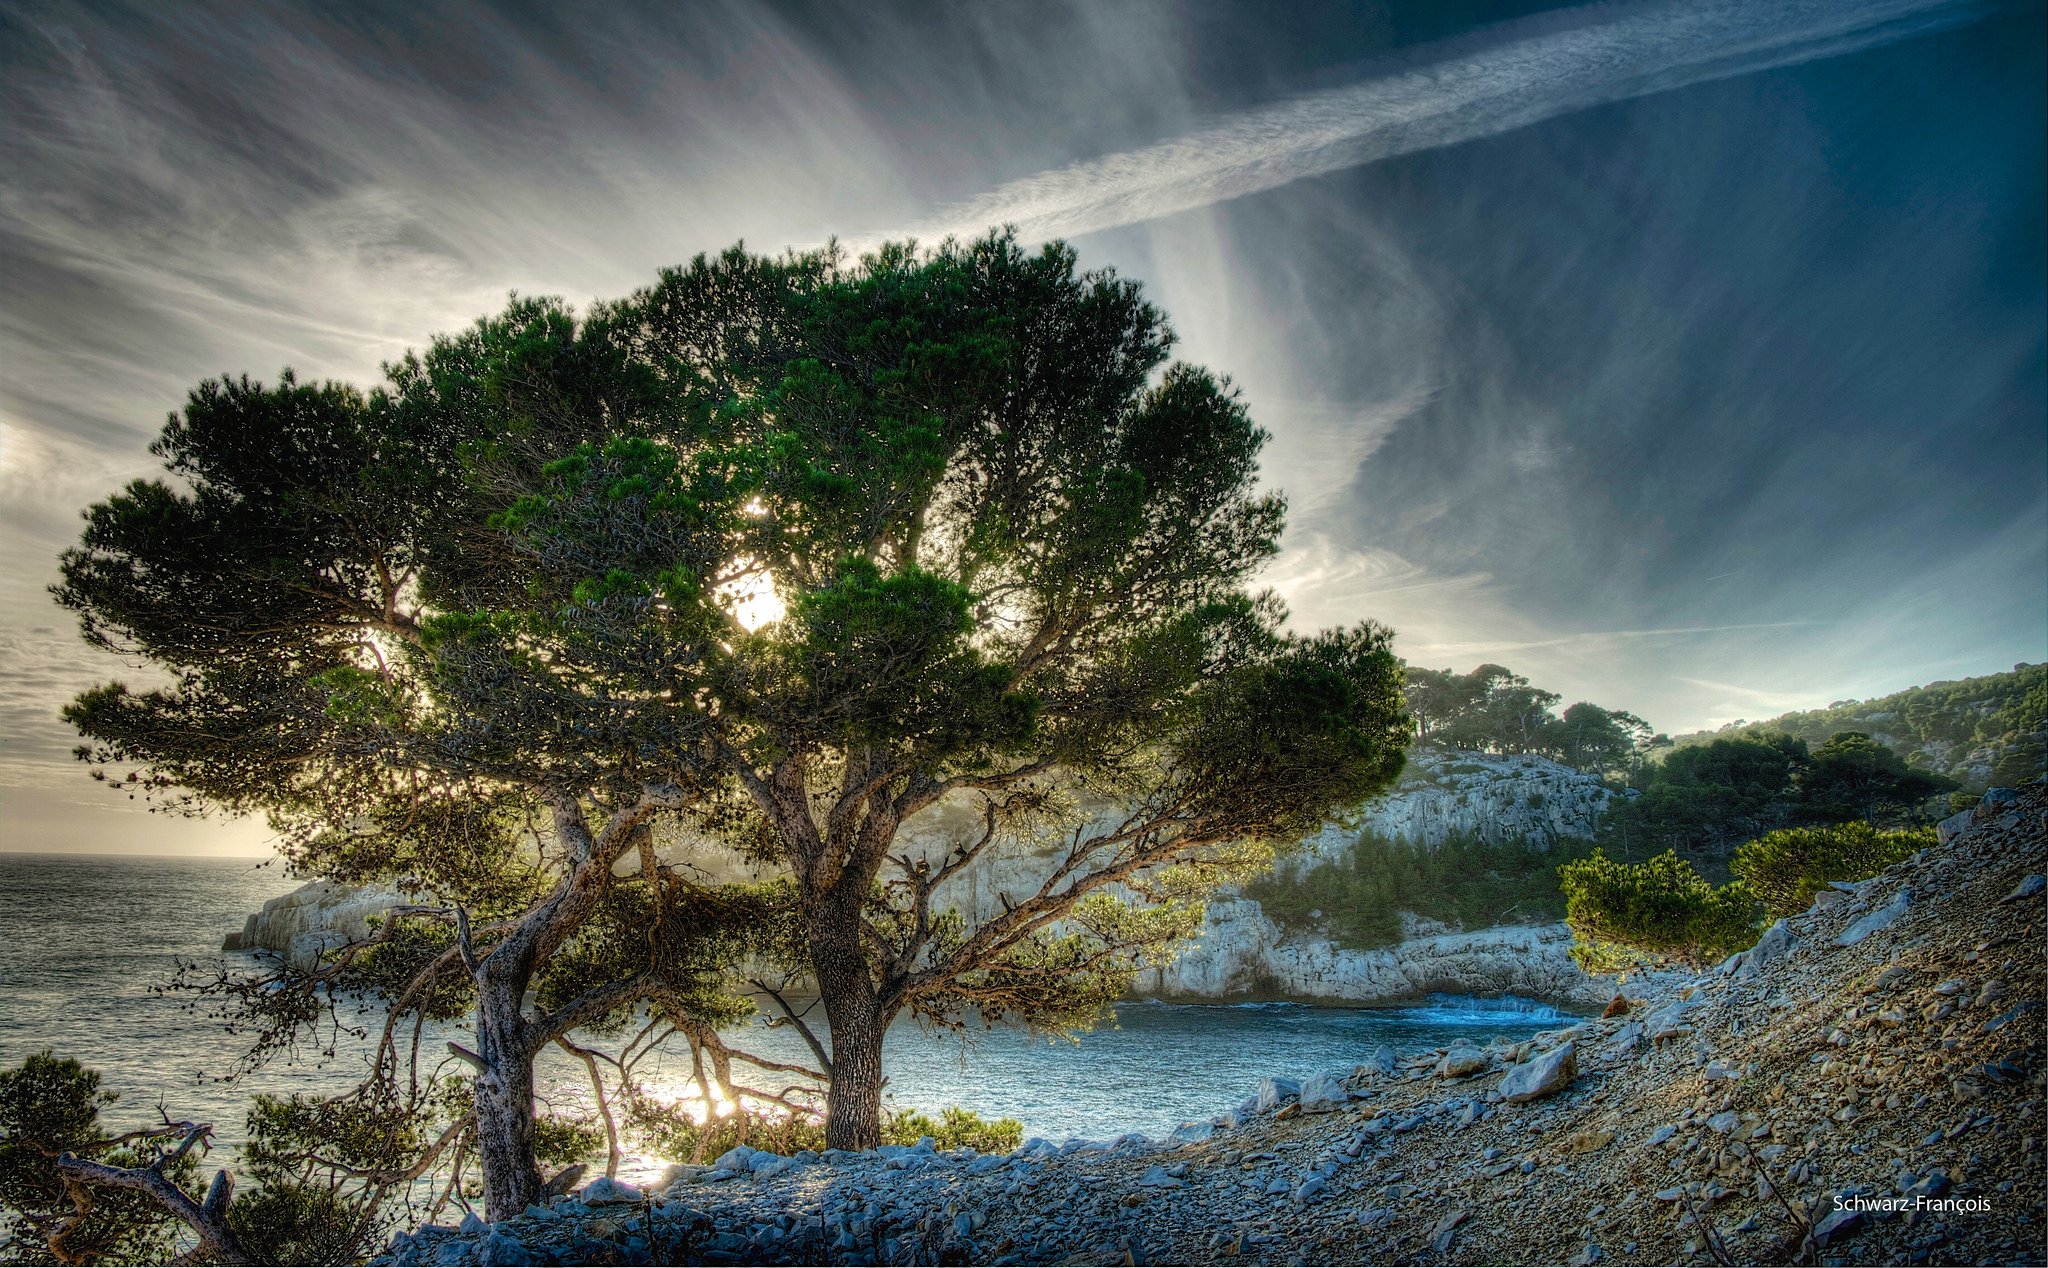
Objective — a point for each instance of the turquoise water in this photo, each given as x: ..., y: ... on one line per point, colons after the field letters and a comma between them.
x: 83, y: 940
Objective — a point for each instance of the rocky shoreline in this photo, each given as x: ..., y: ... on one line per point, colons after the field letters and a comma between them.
x: 1865, y: 1086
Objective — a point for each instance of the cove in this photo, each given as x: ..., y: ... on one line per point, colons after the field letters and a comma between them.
x: 1155, y: 1065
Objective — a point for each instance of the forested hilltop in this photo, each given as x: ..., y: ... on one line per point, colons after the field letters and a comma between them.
x: 1981, y: 732
x: 1896, y: 763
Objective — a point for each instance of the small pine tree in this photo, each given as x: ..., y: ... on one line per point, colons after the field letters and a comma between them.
x: 1785, y: 869
x: 1624, y: 915
x: 50, y: 1105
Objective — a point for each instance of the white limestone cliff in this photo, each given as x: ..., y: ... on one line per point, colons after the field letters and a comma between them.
x: 312, y: 918
x: 1449, y: 792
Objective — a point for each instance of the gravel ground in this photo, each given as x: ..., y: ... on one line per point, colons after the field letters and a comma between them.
x: 1883, y: 1049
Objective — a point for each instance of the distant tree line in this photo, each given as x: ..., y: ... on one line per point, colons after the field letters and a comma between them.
x: 1495, y: 710
x: 1704, y: 800
x: 2006, y: 714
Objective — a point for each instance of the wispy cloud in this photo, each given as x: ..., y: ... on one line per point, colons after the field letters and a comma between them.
x: 1458, y: 93
x: 1590, y: 639
x: 229, y: 185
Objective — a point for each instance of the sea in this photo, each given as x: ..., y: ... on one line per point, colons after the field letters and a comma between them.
x: 87, y: 943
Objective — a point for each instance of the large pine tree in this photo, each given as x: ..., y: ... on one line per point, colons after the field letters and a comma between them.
x: 798, y: 550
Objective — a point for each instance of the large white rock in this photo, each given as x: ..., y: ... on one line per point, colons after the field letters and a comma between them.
x: 1323, y: 1093
x: 1881, y: 919
x: 1541, y: 1075
x: 313, y: 917
x: 1275, y: 1090
x: 1447, y: 792
x: 1241, y: 952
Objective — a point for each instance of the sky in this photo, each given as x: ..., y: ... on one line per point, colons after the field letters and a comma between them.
x: 1690, y: 358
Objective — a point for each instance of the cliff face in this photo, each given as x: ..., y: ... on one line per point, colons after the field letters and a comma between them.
x: 1449, y: 792
x: 1241, y: 953
x: 311, y: 919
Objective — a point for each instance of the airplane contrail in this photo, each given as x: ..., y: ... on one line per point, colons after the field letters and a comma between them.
x: 1608, y: 53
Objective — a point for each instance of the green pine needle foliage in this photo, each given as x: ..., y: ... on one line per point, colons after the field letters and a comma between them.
x: 671, y: 1132
x: 1786, y: 868
x: 50, y: 1105
x: 1466, y: 881
x: 1625, y: 915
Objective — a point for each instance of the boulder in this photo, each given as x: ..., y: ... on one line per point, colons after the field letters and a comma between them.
x: 1541, y: 1076
x: 1380, y: 1064
x: 606, y: 1189
x: 1769, y: 950
x: 503, y: 1248
x: 1876, y: 921
x: 1324, y: 1093
x: 1625, y: 1040
x: 566, y: 1179
x: 2031, y: 887
x: 1274, y: 1089
x: 1837, y: 1226
x: 1667, y: 1022
x: 1462, y: 1059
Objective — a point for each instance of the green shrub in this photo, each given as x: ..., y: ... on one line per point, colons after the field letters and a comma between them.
x: 1785, y: 869
x: 1465, y: 881
x: 290, y: 1222
x: 672, y: 1132
x: 50, y: 1104
x: 955, y: 1128
x: 1628, y: 914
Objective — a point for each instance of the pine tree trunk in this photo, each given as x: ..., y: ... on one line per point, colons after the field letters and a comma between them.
x: 853, y: 1102
x: 853, y: 1106
x: 504, y: 1102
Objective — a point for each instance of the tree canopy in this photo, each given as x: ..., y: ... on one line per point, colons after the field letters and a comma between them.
x: 784, y: 552
x: 1493, y: 709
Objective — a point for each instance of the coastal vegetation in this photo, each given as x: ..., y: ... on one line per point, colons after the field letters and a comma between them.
x: 1991, y: 730
x: 778, y: 553
x: 1361, y: 898
x: 51, y: 1105
x: 1492, y: 709
x: 1786, y: 868
x: 1704, y: 800
x: 1659, y: 911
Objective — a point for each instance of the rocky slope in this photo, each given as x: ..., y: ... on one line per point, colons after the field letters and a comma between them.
x: 1240, y: 952
x: 1866, y: 1086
